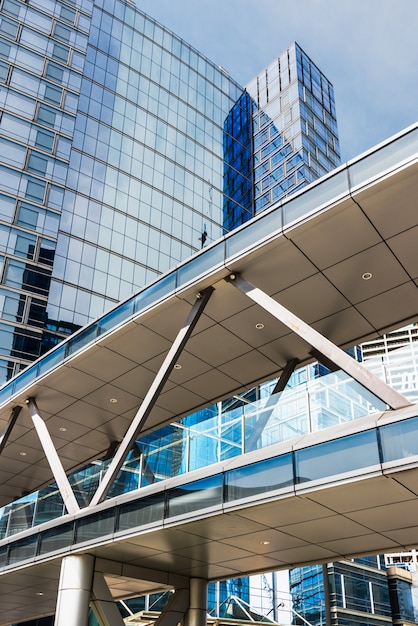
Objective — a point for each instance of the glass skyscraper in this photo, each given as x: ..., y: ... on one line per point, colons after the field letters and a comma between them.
x: 112, y: 135
x: 123, y: 151
x: 294, y: 137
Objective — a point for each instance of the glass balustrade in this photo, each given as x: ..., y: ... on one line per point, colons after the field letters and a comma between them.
x: 225, y: 431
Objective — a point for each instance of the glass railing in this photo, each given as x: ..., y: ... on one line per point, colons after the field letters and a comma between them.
x: 216, y: 434
x: 356, y: 454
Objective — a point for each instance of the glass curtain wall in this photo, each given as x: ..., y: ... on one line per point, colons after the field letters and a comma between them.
x: 112, y: 135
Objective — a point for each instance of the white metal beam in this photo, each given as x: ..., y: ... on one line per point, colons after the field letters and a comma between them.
x: 103, y: 604
x: 152, y: 396
x: 175, y: 609
x: 354, y: 369
x: 53, y: 459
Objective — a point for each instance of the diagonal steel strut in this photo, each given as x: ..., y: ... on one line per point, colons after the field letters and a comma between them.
x: 270, y: 405
x: 152, y: 396
x: 53, y: 459
x: 4, y: 437
x: 354, y: 369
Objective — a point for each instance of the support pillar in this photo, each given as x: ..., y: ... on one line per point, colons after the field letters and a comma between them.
x: 53, y: 459
x: 74, y: 590
x: 327, y: 595
x: 198, y: 608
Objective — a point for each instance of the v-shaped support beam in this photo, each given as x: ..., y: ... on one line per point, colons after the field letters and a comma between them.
x: 152, y: 396
x: 53, y: 459
x: 344, y: 362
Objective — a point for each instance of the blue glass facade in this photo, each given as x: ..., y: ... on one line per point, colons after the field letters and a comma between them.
x: 112, y: 137
x: 123, y: 151
x: 42, y: 50
x: 293, y: 139
x: 362, y: 593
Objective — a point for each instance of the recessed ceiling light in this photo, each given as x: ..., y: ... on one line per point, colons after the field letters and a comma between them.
x: 259, y: 326
x: 264, y: 543
x: 39, y: 593
x: 63, y: 429
x: 23, y: 453
x: 367, y: 276
x: 113, y: 400
x: 177, y: 366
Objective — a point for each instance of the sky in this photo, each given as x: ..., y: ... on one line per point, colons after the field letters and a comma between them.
x: 368, y: 49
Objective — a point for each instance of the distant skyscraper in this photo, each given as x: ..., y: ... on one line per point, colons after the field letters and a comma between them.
x: 294, y: 138
x: 363, y: 592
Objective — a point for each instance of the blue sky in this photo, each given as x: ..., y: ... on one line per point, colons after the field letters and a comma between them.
x: 367, y: 48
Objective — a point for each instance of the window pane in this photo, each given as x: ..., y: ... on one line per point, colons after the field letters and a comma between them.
x: 399, y: 440
x: 259, y: 477
x: 144, y: 511
x: 22, y: 550
x: 95, y: 526
x: 56, y: 538
x: 195, y: 496
x: 336, y: 457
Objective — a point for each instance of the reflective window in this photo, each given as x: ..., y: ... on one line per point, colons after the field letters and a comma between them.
x: 56, y: 538
x: 8, y: 27
x: 337, y: 457
x: 22, y: 550
x: 3, y: 555
x: 53, y: 94
x: 37, y: 164
x: 259, y: 477
x: 195, y: 496
x: 35, y: 190
x: 44, y: 140
x: 399, y: 440
x: 46, y: 115
x: 94, y: 526
x: 68, y: 14
x: 141, y: 512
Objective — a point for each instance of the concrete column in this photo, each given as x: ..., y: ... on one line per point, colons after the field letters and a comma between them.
x: 74, y: 590
x: 198, y: 607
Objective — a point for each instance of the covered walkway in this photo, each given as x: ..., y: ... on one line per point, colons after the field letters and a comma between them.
x: 330, y: 267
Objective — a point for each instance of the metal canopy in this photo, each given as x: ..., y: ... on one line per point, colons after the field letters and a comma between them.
x: 313, y: 266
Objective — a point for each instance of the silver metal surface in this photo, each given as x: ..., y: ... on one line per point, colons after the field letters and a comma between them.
x: 198, y: 608
x: 102, y: 603
x: 54, y: 461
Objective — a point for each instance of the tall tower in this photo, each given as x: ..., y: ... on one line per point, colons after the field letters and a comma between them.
x: 111, y: 163
x: 294, y: 137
